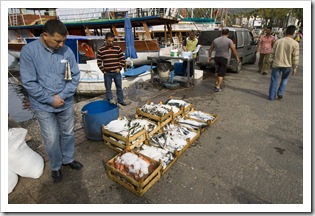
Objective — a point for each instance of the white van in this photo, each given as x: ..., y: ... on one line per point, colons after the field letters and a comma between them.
x: 243, y: 40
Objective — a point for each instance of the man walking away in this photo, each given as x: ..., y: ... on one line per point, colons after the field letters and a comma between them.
x: 221, y: 45
x: 285, y: 56
x: 110, y: 60
x: 265, y: 48
x: 42, y: 69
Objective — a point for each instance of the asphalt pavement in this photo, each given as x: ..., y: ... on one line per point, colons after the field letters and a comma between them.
x: 253, y: 154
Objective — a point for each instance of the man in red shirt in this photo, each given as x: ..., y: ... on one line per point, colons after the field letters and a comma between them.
x: 265, y: 48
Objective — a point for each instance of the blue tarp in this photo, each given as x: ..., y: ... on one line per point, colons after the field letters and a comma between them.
x: 138, y: 71
x: 129, y: 40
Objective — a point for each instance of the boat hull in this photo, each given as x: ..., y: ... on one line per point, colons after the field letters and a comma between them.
x: 14, y: 49
x: 91, y: 81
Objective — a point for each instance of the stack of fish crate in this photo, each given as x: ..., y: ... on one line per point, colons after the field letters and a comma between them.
x: 174, y: 130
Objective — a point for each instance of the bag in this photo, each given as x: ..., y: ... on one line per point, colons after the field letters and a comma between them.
x: 22, y: 159
x: 13, y: 179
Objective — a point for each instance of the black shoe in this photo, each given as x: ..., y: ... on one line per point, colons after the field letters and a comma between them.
x: 74, y: 165
x: 216, y: 89
x: 124, y: 103
x: 280, y: 96
x: 56, y: 175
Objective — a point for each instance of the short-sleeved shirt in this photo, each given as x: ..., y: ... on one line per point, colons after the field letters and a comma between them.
x: 221, y: 46
x: 191, y: 45
x: 266, y: 44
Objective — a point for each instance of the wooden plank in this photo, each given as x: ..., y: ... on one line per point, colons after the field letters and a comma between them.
x: 146, y: 29
x: 115, y: 30
x: 150, y: 45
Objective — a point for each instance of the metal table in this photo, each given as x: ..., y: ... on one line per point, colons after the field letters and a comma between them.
x: 176, y: 58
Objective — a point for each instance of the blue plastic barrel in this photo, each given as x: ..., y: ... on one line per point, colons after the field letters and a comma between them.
x: 96, y: 114
x: 178, y: 68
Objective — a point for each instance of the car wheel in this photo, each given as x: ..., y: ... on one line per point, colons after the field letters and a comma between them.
x: 253, y: 60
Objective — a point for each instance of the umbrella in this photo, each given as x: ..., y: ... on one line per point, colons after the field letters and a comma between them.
x: 129, y: 40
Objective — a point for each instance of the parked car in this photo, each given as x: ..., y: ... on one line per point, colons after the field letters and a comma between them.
x: 243, y: 40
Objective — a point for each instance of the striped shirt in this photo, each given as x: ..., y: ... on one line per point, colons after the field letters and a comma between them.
x: 110, y: 58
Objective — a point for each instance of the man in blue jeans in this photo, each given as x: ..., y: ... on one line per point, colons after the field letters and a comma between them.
x: 285, y: 55
x: 42, y: 70
x: 110, y: 60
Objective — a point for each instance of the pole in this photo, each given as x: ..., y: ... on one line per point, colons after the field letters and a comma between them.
x: 226, y: 10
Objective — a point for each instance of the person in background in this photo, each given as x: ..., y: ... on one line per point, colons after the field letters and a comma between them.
x: 190, y: 44
x: 221, y: 45
x: 284, y: 58
x: 298, y: 36
x: 42, y: 70
x: 264, y: 48
x: 110, y: 60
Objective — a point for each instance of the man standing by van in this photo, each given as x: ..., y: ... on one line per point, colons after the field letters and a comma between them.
x: 221, y: 45
x: 285, y: 56
x: 265, y: 47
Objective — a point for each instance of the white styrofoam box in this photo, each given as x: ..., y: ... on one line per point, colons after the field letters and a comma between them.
x: 198, y: 74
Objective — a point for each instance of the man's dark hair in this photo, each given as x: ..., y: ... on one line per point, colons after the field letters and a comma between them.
x: 192, y: 32
x: 109, y: 35
x: 55, y: 26
x: 290, y: 30
x: 269, y: 27
x: 225, y: 31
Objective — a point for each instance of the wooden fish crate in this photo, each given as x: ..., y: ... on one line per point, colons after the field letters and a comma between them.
x: 136, y: 187
x: 130, y: 141
x: 163, y: 120
x: 169, y: 165
x: 182, y: 110
x: 189, y: 142
x: 209, y: 122
x: 158, y: 128
x: 188, y: 118
x: 178, y: 153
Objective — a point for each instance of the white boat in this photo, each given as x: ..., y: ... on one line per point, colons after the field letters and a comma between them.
x: 92, y: 79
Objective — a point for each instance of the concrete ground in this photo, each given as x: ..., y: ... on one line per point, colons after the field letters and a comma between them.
x: 253, y: 154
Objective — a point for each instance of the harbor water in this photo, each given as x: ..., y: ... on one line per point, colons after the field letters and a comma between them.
x: 16, y: 94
